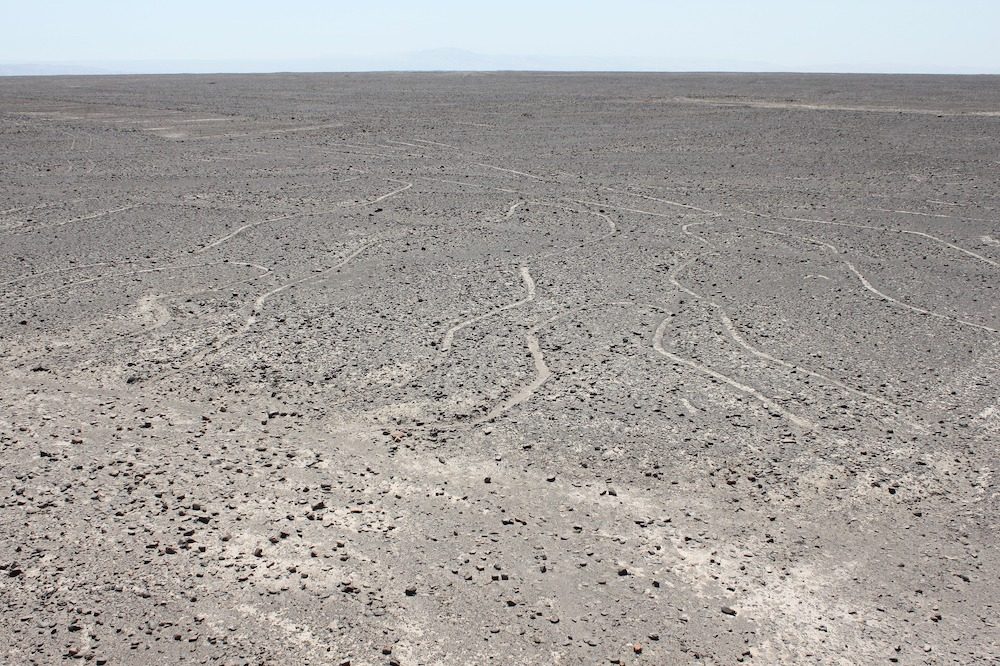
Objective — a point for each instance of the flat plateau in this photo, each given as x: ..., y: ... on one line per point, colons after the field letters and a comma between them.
x: 499, y: 368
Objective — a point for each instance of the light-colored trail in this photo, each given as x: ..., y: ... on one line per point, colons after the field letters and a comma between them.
x: 763, y: 104
x: 32, y: 276
x: 672, y: 278
x: 612, y: 229
x: 25, y: 209
x: 428, y: 142
x: 479, y: 185
x: 868, y: 285
x: 771, y: 406
x: 233, y: 135
x: 246, y: 227
x: 938, y: 215
x: 406, y: 185
x: 143, y: 271
x: 738, y: 339
x: 814, y: 241
x: 260, y: 301
x: 513, y: 171
x: 513, y: 208
x: 523, y: 394
x: 669, y: 202
x: 921, y: 234
x: 256, y: 308
x: 686, y: 229
x: 289, y: 216
x: 542, y: 371
x: 404, y: 143
x: 82, y: 218
x: 624, y: 208
x: 529, y: 286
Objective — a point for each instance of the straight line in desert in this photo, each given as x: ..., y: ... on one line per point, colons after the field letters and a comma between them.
x: 143, y: 271
x: 288, y: 130
x: 82, y: 218
x: 631, y: 210
x: 448, y: 145
x: 761, y: 104
x: 44, y: 205
x: 50, y: 272
x: 666, y: 201
x: 939, y: 215
x: 513, y: 171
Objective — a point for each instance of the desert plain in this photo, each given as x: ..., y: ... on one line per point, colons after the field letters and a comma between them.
x: 499, y: 368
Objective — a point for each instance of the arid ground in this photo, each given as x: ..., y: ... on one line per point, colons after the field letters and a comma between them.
x: 500, y: 368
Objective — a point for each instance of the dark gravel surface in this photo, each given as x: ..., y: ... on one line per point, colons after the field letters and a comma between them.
x: 499, y: 368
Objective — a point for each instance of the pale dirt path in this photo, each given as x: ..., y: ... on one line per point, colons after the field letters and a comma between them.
x: 289, y: 216
x: 771, y: 406
x: 920, y: 234
x: 868, y: 285
x: 763, y: 104
x: 142, y: 271
x: 82, y: 218
x: 529, y: 287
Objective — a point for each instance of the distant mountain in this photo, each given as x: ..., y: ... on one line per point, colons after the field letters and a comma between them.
x: 440, y: 60
x: 48, y: 69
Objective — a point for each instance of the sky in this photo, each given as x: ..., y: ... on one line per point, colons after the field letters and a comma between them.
x: 961, y: 36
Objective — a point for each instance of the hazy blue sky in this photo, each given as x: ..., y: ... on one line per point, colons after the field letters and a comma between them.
x: 886, y: 35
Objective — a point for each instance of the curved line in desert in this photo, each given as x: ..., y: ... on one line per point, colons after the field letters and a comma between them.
x: 342, y: 204
x: 921, y: 234
x: 749, y: 390
x: 529, y: 286
x: 868, y: 285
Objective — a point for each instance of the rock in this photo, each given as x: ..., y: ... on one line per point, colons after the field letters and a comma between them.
x: 728, y: 611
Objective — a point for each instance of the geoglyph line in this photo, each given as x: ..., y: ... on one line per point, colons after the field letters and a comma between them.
x: 542, y: 375
x: 82, y: 218
x: 144, y: 271
x: 51, y: 272
x: 869, y: 287
x: 342, y: 204
x: 738, y: 339
x: 259, y: 302
x: 666, y: 201
x: 763, y: 104
x: 529, y: 286
x: 921, y: 234
x: 772, y: 406
x: 939, y: 215
x: 542, y: 371
x: 513, y: 171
